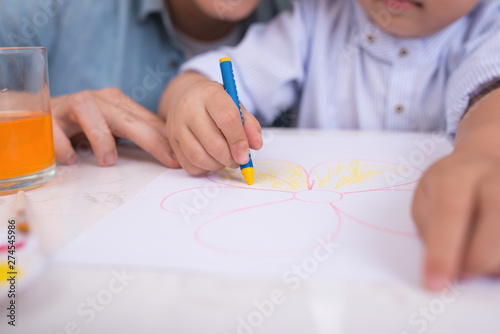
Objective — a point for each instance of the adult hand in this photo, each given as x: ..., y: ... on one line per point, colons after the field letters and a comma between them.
x: 102, y: 115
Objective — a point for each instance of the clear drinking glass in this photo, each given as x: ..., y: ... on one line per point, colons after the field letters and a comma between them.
x: 26, y: 143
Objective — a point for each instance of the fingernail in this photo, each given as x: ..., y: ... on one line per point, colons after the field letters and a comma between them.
x: 243, y: 158
x: 109, y: 159
x: 464, y: 275
x: 435, y: 282
x: 72, y: 159
x: 174, y: 157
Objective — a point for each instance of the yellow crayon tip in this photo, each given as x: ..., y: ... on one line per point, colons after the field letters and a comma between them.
x: 223, y: 59
x: 248, y: 175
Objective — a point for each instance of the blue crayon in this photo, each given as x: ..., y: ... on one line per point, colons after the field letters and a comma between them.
x: 226, y: 68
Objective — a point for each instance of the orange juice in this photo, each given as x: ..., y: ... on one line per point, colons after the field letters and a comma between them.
x: 26, y: 143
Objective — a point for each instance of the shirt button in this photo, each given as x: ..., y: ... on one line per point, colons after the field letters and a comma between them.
x: 174, y: 63
x: 399, y: 109
x: 370, y: 38
x: 403, y: 52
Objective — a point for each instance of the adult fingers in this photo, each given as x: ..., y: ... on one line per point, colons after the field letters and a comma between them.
x: 483, y: 255
x: 131, y: 121
x: 442, y: 210
x: 227, y: 117
x: 64, y: 151
x: 89, y: 115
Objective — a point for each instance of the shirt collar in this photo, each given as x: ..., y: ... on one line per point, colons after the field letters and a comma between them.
x: 148, y: 7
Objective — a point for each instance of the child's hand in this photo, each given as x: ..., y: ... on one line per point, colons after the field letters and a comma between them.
x: 457, y: 210
x: 204, y: 125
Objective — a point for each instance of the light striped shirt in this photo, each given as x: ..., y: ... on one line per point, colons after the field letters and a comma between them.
x: 341, y: 71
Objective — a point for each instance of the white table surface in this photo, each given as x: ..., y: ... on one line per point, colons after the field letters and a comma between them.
x: 169, y: 302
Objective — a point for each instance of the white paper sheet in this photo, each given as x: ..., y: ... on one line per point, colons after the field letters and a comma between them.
x: 324, y: 205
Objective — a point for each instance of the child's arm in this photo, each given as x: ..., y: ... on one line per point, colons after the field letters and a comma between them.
x: 457, y: 203
x: 204, y: 126
x: 203, y: 123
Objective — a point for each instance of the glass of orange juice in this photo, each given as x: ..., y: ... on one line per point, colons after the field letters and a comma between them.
x: 26, y: 143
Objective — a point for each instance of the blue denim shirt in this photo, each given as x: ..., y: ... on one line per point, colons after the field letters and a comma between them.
x: 94, y: 44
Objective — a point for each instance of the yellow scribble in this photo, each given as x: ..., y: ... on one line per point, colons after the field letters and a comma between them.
x: 398, y: 173
x: 349, y: 173
x: 287, y: 176
x: 284, y: 176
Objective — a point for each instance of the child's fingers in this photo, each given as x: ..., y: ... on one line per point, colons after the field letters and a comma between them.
x: 442, y: 210
x: 444, y: 237
x: 184, y: 161
x: 212, y: 140
x: 483, y: 256
x: 198, y: 158
x: 227, y: 118
x: 253, y: 130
